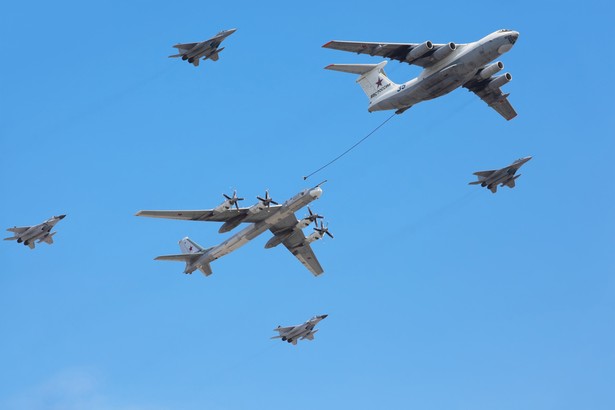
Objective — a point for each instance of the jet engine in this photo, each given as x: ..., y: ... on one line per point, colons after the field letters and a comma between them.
x: 444, y: 51
x: 419, y: 51
x: 499, y: 81
x: 490, y: 70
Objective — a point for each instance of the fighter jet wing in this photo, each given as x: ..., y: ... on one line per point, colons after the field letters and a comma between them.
x: 185, y: 46
x: 394, y: 51
x: 210, y: 215
x: 484, y: 173
x: 493, y: 97
x: 19, y: 229
x: 295, y: 243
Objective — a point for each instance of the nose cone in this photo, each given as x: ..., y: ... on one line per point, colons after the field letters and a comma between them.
x: 323, y: 316
x: 61, y: 216
x: 316, y: 192
x: 513, y: 36
x: 230, y: 31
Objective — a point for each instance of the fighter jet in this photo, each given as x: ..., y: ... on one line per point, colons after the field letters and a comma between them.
x: 505, y: 176
x: 291, y: 334
x: 446, y: 67
x: 206, y: 49
x: 41, y: 232
x: 266, y: 214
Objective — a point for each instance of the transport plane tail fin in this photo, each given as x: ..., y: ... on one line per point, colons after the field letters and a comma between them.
x: 372, y: 78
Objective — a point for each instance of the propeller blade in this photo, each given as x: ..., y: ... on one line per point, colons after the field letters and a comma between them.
x: 273, y: 202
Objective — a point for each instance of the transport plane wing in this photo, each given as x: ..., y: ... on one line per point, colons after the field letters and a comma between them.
x: 489, y: 91
x: 420, y: 54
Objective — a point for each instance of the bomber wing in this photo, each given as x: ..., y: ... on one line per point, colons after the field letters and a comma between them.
x: 295, y: 242
x: 394, y: 51
x: 493, y: 97
x: 210, y: 215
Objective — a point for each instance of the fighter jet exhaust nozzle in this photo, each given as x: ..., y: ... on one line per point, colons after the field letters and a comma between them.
x: 499, y: 81
x: 419, y: 51
x: 490, y: 70
x: 444, y: 51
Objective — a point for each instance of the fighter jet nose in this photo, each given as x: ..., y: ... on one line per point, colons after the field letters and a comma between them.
x: 324, y: 316
x: 316, y: 192
x: 61, y: 216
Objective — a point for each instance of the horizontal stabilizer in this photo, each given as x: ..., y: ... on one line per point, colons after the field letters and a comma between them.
x: 355, y: 68
x: 475, y: 182
x: 176, y: 55
x: 184, y: 257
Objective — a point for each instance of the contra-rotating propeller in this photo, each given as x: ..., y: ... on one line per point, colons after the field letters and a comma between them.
x: 233, y: 200
x: 323, y: 230
x: 266, y: 200
x: 312, y: 217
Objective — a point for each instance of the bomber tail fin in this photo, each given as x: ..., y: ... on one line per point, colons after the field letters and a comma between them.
x: 372, y: 78
x: 191, y: 252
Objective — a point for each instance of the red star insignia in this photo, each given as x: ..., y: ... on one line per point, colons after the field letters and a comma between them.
x: 379, y: 82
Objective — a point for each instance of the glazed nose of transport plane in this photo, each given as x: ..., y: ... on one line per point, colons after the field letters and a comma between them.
x: 316, y: 192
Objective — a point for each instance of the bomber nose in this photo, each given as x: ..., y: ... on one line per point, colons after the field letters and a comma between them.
x: 514, y: 36
x: 316, y: 192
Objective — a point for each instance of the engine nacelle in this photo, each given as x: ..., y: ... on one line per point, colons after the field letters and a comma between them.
x: 490, y: 70
x: 499, y: 81
x: 419, y: 51
x: 444, y: 51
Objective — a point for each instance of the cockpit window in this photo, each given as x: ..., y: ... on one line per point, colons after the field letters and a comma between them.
x: 504, y: 30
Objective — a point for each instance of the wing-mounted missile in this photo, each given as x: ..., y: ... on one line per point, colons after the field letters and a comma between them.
x: 444, y: 51
x: 419, y: 51
x: 310, y: 335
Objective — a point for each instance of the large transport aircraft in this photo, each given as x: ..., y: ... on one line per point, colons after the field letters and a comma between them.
x: 265, y: 215
x: 446, y: 67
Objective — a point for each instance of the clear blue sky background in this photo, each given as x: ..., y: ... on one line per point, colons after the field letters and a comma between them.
x: 440, y: 295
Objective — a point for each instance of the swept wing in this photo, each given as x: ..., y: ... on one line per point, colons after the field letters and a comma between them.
x: 394, y: 51
x: 493, y: 97
x: 294, y: 240
x: 210, y: 215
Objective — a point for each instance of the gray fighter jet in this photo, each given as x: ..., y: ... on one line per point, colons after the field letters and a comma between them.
x: 505, y: 176
x: 207, y: 49
x: 266, y: 214
x: 41, y: 232
x: 306, y: 330
x: 446, y: 67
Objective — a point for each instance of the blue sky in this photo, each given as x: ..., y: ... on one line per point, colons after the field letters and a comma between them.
x: 440, y: 295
